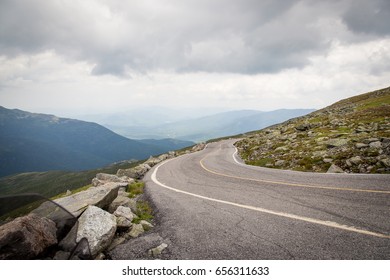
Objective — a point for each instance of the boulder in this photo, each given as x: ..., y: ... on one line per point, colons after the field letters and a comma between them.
x: 303, y: 127
x: 355, y: 160
x: 361, y: 145
x: 136, y: 172
x: 376, y: 145
x: 98, y: 227
x: 125, y: 212
x: 280, y: 163
x: 332, y: 143
x: 334, y: 169
x: 123, y: 224
x: 100, y: 196
x: 153, y: 161
x: 26, y: 237
x: 103, y: 178
x: 122, y: 201
x: 385, y: 162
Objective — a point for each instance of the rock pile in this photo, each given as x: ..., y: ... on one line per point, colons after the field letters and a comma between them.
x: 98, y: 219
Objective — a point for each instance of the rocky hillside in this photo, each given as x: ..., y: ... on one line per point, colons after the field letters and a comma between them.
x: 352, y: 135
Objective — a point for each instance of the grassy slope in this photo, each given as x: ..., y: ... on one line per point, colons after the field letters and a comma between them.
x: 52, y: 183
x: 355, y: 120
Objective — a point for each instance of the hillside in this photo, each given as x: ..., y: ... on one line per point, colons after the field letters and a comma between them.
x: 352, y: 135
x: 39, y: 142
x: 212, y: 126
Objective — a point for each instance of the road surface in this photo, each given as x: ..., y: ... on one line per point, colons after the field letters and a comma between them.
x: 212, y: 206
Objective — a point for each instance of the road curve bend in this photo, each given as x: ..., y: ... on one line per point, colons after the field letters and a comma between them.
x: 212, y: 206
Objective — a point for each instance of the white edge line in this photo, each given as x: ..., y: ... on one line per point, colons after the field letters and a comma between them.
x: 263, y: 210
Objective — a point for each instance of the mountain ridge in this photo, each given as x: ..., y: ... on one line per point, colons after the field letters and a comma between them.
x: 42, y: 142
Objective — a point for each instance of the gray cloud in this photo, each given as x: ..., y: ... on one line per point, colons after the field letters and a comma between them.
x: 370, y: 17
x: 184, y: 36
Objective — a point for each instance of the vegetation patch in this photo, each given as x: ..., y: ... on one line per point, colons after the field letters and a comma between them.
x: 135, y: 189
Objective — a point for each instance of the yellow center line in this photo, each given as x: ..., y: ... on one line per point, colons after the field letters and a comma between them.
x: 288, y: 184
x: 270, y: 212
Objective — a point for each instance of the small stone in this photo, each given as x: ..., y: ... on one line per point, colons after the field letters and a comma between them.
x: 68, y: 192
x: 158, y: 250
x: 376, y: 144
x: 136, y: 230
x: 386, y: 162
x: 146, y: 225
x: 100, y: 257
x: 335, y: 169
x: 280, y: 163
x: 361, y: 145
x: 355, y: 160
x: 327, y: 160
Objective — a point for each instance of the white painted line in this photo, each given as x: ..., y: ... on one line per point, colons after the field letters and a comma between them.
x: 271, y: 212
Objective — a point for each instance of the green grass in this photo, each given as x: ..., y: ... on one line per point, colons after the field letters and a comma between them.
x: 144, y: 212
x: 135, y: 189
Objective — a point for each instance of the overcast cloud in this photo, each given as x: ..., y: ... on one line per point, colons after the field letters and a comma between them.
x: 105, y: 55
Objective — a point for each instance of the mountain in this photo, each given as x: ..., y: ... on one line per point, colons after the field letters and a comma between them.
x: 352, y: 135
x: 39, y: 142
x: 212, y: 126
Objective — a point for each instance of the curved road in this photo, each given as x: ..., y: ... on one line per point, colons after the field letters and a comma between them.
x: 211, y: 206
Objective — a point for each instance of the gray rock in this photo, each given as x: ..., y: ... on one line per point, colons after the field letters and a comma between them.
x: 361, y: 145
x: 98, y: 227
x: 327, y: 160
x: 136, y: 172
x: 100, y: 196
x: 376, y: 145
x: 125, y: 212
x: 153, y: 161
x: 303, y: 127
x: 136, y: 230
x: 334, y: 169
x: 146, y: 225
x: 158, y: 250
x: 26, y: 237
x: 332, y: 143
x: 100, y: 257
x: 280, y: 163
x: 355, y: 160
x: 121, y: 201
x: 386, y: 162
x: 123, y: 224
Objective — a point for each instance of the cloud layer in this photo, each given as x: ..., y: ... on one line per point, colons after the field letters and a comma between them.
x: 131, y: 45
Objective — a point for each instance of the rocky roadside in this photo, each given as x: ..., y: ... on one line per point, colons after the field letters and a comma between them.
x: 351, y: 136
x: 106, y: 216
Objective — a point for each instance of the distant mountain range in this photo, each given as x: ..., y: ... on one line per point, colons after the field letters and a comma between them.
x: 40, y: 142
x: 208, y: 127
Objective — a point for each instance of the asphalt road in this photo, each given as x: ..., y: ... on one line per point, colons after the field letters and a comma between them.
x: 211, y: 206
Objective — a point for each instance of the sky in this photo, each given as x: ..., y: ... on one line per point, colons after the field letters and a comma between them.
x: 104, y: 56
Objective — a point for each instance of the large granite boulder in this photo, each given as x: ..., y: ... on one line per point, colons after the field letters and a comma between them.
x: 26, y: 237
x: 97, y: 226
x: 101, y: 196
